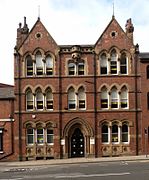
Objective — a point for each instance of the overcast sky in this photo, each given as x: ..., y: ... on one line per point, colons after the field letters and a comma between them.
x: 68, y: 22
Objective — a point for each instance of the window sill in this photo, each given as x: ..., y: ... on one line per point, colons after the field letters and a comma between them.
x: 1, y: 152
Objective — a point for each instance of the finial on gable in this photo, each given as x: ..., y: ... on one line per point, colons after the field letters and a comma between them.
x: 38, y: 12
x: 129, y: 26
x: 129, y: 29
x: 113, y: 16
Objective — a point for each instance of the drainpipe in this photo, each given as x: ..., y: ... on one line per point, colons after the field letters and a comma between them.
x: 18, y: 61
x: 136, y: 96
x: 95, y: 105
x: 60, y: 105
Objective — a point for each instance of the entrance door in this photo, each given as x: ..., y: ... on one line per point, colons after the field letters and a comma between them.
x: 77, y: 144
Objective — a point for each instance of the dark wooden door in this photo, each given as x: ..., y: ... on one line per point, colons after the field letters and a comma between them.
x: 77, y: 144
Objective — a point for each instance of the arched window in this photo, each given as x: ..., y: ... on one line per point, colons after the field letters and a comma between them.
x: 104, y: 98
x: 81, y: 68
x: 30, y: 136
x: 105, y: 133
x: 49, y: 65
x: 103, y: 64
x: 71, y: 69
x: 39, y: 63
x: 113, y: 62
x: 147, y: 72
x: 125, y: 133
x: 114, y: 98
x: 29, y: 66
x: 115, y: 135
x: 29, y: 100
x: 123, y: 64
x: 39, y: 100
x: 71, y: 98
x: 81, y: 98
x: 40, y: 135
x: 124, y: 97
x: 50, y: 136
x: 49, y: 99
x: 148, y: 100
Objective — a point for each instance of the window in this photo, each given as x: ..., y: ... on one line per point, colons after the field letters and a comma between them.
x: 114, y: 98
x: 40, y: 136
x: 104, y: 98
x: 125, y: 133
x: 49, y: 65
x: 29, y: 66
x: 105, y: 133
x: 71, y: 99
x: 39, y: 100
x: 123, y: 64
x: 124, y: 97
x: 148, y: 100
x: 81, y: 68
x: 71, y: 69
x: 50, y: 136
x: 49, y: 100
x: 76, y: 68
x: 147, y: 72
x: 30, y: 136
x: 115, y: 137
x: 115, y: 134
x: 81, y: 98
x: 103, y: 64
x: 113, y: 62
x: 1, y: 140
x: 29, y: 100
x: 39, y: 64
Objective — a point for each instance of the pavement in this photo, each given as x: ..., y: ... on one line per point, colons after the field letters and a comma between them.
x: 22, y: 164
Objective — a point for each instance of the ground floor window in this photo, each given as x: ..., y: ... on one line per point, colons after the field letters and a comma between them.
x: 1, y: 140
x: 117, y: 133
x: 39, y: 136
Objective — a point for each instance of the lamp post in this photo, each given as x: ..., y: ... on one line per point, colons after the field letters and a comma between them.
x: 145, y: 132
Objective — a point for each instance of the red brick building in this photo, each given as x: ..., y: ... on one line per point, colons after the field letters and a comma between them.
x: 80, y: 100
x: 6, y: 121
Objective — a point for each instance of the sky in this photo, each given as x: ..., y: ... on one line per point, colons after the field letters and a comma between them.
x: 69, y: 22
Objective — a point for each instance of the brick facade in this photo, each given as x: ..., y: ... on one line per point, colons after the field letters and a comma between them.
x: 79, y: 100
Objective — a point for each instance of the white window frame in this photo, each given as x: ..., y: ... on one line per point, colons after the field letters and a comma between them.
x: 108, y: 134
x: 43, y: 134
x: 128, y: 134
x: 30, y: 144
x: 118, y: 142
x: 49, y: 134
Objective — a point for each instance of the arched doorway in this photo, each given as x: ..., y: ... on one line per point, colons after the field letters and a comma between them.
x: 77, y: 136
x: 77, y: 143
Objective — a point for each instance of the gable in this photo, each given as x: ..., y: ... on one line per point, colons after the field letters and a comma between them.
x: 39, y: 37
x: 113, y: 36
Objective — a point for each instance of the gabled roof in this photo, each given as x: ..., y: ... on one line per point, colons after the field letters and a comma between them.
x: 38, y: 21
x: 110, y: 23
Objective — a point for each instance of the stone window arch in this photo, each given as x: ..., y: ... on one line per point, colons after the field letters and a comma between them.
x: 71, y: 98
x: 39, y: 63
x: 29, y: 100
x: 49, y: 99
x: 49, y: 64
x: 103, y: 63
x: 29, y: 65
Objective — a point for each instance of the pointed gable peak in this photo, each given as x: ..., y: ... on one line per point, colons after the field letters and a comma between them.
x: 114, y: 35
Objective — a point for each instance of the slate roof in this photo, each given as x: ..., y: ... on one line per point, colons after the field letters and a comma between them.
x: 144, y: 56
x: 6, y: 91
